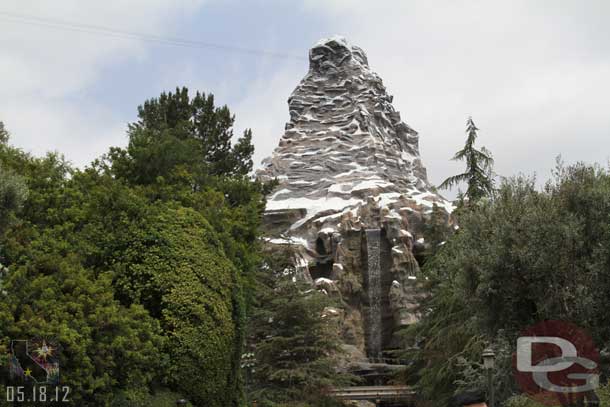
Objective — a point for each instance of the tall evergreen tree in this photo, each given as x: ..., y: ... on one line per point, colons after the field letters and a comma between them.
x: 479, y: 164
x: 177, y: 134
x: 294, y: 338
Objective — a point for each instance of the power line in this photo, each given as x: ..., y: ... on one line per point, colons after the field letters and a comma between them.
x: 131, y: 35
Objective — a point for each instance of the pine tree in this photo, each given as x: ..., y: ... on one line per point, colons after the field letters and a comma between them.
x: 177, y: 134
x: 479, y: 164
x: 294, y: 339
x: 437, y: 230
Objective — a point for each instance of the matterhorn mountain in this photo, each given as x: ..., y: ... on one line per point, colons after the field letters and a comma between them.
x: 353, y: 197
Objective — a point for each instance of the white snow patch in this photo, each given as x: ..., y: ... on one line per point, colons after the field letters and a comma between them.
x: 340, y: 188
x: 333, y: 311
x: 371, y: 184
x: 407, y: 157
x: 281, y: 191
x: 393, y: 215
x: 419, y: 196
x: 388, y: 198
x: 287, y: 240
x: 312, y: 206
x: 405, y: 233
x: 323, y: 280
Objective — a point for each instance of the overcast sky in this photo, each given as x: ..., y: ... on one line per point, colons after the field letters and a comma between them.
x: 534, y: 75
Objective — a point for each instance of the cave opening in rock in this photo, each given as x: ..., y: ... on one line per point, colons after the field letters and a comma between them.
x: 322, y: 269
x: 324, y: 262
x: 320, y: 247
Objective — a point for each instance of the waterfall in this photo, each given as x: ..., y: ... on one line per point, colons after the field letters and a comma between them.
x: 373, y: 248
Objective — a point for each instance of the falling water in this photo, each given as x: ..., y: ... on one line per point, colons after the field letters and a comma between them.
x: 373, y: 245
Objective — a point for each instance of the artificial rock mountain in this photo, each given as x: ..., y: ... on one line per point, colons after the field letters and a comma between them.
x: 353, y: 197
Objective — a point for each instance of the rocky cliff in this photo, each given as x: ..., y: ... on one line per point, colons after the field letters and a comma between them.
x: 353, y: 195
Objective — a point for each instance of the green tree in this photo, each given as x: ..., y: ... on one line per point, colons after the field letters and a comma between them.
x: 294, y: 339
x: 175, y: 267
x: 173, y: 243
x: 526, y: 255
x: 13, y: 193
x: 176, y: 133
x: 436, y: 230
x: 4, y: 134
x: 105, y: 347
x: 479, y: 163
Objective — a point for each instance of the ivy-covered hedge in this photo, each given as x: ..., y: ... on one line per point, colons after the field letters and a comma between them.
x: 185, y: 279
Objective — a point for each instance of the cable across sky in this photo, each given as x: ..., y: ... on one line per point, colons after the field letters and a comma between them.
x: 131, y: 35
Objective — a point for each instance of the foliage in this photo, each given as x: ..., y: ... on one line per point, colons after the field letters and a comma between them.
x: 185, y: 281
x: 523, y: 257
x: 140, y: 265
x: 4, y: 134
x: 479, y: 163
x: 294, y: 339
x: 436, y: 230
x: 444, y: 340
x: 13, y: 193
x: 603, y: 393
x: 175, y: 132
x: 105, y: 346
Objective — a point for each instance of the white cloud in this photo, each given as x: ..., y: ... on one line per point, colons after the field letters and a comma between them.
x: 46, y: 70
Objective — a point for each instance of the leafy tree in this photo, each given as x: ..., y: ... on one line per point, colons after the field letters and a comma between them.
x: 603, y: 393
x: 479, y: 163
x: 47, y: 291
x: 105, y: 347
x: 4, y: 134
x: 525, y: 256
x: 185, y: 281
x: 177, y: 133
x: 171, y: 240
x: 180, y: 150
x: 13, y: 193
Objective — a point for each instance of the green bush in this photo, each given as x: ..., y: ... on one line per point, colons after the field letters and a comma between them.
x: 523, y: 256
x: 185, y: 280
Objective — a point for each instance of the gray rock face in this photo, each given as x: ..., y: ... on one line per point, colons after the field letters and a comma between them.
x: 348, y: 165
x: 345, y: 142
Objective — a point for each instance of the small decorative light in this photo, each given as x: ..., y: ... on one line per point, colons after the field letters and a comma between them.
x: 489, y: 359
